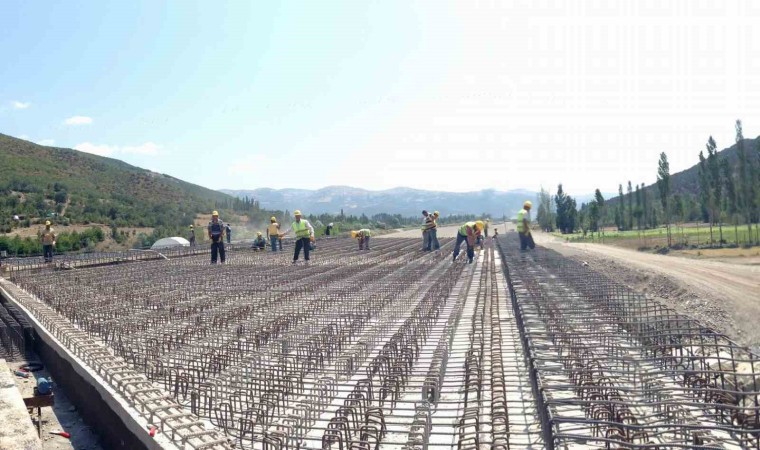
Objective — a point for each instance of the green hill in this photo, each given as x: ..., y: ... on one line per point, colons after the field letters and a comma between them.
x: 70, y: 186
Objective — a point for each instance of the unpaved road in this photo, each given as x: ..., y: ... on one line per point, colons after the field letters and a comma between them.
x: 706, y: 290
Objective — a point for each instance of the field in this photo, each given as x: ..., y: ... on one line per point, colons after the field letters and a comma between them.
x: 690, y: 235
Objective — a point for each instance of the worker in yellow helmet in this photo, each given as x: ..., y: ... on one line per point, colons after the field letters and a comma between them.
x: 431, y: 234
x: 468, y: 233
x: 48, y: 241
x: 363, y: 236
x: 259, y: 244
x: 304, y: 236
x: 273, y: 234
x: 523, y: 227
x: 216, y: 230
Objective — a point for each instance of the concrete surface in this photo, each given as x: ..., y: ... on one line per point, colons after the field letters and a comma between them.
x: 17, y: 430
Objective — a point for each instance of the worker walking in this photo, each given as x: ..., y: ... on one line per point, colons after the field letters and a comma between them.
x: 273, y: 234
x: 228, y: 231
x: 216, y: 231
x: 259, y: 244
x: 468, y: 233
x: 304, y: 236
x: 431, y: 241
x: 48, y: 241
x: 363, y: 236
x: 191, y: 238
x: 523, y: 227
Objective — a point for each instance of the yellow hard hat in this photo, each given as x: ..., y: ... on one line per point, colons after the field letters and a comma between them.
x: 47, y: 223
x: 258, y: 234
x: 215, y: 213
x: 297, y: 212
x: 273, y: 219
x: 354, y: 233
x: 436, y: 213
x: 191, y: 227
x: 527, y: 204
x: 479, y: 224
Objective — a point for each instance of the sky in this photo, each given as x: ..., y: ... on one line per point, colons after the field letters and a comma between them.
x: 430, y: 94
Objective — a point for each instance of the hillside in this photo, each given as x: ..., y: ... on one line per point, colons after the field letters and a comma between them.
x: 404, y: 201
x: 77, y: 187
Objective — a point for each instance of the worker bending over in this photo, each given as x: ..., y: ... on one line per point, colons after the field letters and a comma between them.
x: 273, y: 234
x: 468, y: 233
x: 431, y: 241
x: 216, y: 234
x: 48, y: 241
x: 259, y: 244
x: 523, y: 227
x: 363, y: 236
x: 304, y: 236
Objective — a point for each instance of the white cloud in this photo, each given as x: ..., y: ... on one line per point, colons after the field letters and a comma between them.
x: 78, y: 120
x: 20, y: 105
x: 148, y: 148
x: 47, y: 142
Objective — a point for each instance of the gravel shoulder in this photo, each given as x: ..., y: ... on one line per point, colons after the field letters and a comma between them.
x: 723, y: 295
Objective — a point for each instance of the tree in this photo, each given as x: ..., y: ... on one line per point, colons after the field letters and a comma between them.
x: 599, y: 198
x: 663, y: 186
x: 746, y: 179
x: 644, y: 200
x: 731, y: 206
x: 593, y: 216
x: 638, y: 211
x: 705, y: 194
x: 715, y: 199
x: 566, y: 211
x: 620, y: 217
x: 545, y: 214
x: 630, y: 206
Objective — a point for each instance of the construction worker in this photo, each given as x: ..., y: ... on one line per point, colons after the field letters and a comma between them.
x: 48, y: 241
x: 228, y: 231
x: 485, y: 229
x: 363, y: 236
x: 495, y: 233
x: 216, y: 231
x: 523, y: 227
x: 431, y: 242
x: 427, y: 220
x: 259, y: 244
x: 273, y: 234
x: 191, y: 238
x: 304, y: 236
x: 468, y: 233
x: 328, y: 229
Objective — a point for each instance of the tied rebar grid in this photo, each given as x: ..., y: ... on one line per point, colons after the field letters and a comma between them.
x: 391, y: 347
x: 614, y: 369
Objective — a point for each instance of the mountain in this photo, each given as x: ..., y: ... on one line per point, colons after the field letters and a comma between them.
x: 38, y: 181
x: 400, y: 200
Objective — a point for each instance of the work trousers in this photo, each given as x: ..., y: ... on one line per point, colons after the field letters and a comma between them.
x: 229, y: 238
x: 470, y: 248
x: 273, y: 241
x: 302, y: 243
x: 364, y: 243
x: 526, y: 241
x: 217, y: 248
x: 424, y: 239
x: 431, y: 241
x: 48, y: 251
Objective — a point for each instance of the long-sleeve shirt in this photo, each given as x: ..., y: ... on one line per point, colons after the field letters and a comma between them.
x: 295, y: 228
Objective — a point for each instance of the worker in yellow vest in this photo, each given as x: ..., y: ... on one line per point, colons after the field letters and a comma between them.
x: 273, y: 234
x: 363, y: 236
x: 304, y: 236
x: 523, y: 227
x: 468, y: 233
x: 48, y: 241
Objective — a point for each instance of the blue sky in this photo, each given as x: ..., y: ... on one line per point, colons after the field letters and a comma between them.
x: 429, y: 94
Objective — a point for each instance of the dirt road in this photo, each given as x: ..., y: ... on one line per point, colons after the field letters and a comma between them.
x: 706, y: 290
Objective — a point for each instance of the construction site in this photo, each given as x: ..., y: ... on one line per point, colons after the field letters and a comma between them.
x: 391, y: 348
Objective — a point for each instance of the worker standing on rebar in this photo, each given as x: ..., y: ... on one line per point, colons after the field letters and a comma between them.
x: 228, y: 232
x: 485, y: 228
x: 192, y: 236
x: 431, y: 242
x: 468, y: 233
x: 523, y: 227
x: 216, y: 231
x: 363, y: 236
x: 304, y: 236
x: 48, y: 241
x: 328, y: 229
x: 273, y: 234
x: 427, y: 220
